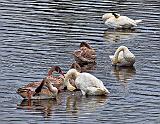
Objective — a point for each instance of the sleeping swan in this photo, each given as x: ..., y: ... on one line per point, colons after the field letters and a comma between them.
x: 85, y: 54
x: 114, y: 20
x: 87, y: 83
x: 122, y: 57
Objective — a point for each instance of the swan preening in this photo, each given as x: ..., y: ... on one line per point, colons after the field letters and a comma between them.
x: 123, y: 57
x: 39, y: 92
x: 87, y: 83
x: 114, y: 20
x: 75, y: 78
x: 47, y: 88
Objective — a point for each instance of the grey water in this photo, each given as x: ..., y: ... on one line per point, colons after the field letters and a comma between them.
x: 37, y: 34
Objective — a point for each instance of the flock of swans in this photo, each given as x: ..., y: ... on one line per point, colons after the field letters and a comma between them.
x: 76, y: 78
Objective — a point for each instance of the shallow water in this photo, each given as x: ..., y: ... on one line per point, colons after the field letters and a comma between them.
x: 38, y: 34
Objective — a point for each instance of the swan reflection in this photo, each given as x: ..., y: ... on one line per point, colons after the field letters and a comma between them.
x: 83, y: 67
x: 116, y: 36
x: 123, y: 74
x: 43, y: 106
x: 76, y: 104
x: 67, y: 102
x: 88, y: 67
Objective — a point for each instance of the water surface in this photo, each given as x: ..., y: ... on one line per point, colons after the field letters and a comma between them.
x: 36, y: 35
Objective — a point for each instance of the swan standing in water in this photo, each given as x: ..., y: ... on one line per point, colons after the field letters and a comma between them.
x: 87, y: 83
x: 123, y: 57
x: 114, y: 20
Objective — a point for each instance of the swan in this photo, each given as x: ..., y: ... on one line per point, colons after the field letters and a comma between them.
x: 114, y: 20
x: 27, y: 91
x: 87, y: 83
x: 122, y: 57
x: 39, y: 93
x: 85, y: 54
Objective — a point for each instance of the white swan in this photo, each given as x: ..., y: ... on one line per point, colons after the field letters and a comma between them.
x: 87, y: 83
x: 114, y: 20
x: 123, y: 57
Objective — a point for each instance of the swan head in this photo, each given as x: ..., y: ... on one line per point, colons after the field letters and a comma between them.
x: 84, y: 44
x: 109, y: 15
x: 48, y: 83
x: 114, y: 58
x: 54, y: 90
x: 123, y: 52
x: 116, y: 15
x: 76, y: 66
x: 55, y: 68
x: 71, y: 74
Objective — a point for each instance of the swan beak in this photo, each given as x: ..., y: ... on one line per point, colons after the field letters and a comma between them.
x: 114, y: 61
x: 71, y: 88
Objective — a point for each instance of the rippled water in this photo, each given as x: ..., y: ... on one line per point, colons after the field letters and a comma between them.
x: 38, y: 34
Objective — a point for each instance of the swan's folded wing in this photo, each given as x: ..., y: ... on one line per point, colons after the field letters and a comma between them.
x: 111, y: 23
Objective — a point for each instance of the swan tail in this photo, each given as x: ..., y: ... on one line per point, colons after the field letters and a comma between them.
x: 83, y: 92
x: 111, y: 56
x: 138, y: 21
x: 102, y: 91
x: 96, y: 91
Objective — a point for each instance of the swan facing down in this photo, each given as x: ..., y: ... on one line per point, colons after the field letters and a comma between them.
x: 87, y: 83
x: 114, y: 20
x: 123, y: 57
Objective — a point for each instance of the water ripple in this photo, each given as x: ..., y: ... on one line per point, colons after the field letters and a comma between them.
x: 36, y: 35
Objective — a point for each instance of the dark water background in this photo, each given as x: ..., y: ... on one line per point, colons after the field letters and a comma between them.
x: 36, y: 34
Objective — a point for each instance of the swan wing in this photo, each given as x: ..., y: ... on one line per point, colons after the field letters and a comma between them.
x: 96, y: 91
x: 125, y: 21
x: 111, y: 23
x: 85, y: 81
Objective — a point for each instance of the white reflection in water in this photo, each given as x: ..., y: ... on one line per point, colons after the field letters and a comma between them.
x: 117, y: 35
x: 73, y: 102
x: 123, y: 74
x: 83, y: 104
x: 45, y: 106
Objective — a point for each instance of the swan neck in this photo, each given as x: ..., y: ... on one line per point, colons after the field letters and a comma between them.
x: 117, y: 53
x: 50, y: 72
x: 70, y: 75
x: 54, y: 90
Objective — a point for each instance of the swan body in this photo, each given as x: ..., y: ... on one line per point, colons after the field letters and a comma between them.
x: 86, y: 54
x: 114, y: 20
x: 123, y: 57
x: 43, y: 89
x: 48, y: 91
x: 87, y: 83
